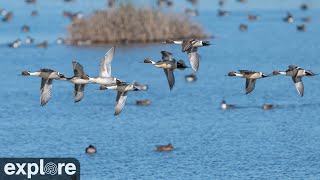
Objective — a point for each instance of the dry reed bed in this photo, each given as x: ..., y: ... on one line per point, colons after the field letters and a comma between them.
x: 127, y: 24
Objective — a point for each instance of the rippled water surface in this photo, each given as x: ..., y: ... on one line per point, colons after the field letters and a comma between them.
x: 244, y: 143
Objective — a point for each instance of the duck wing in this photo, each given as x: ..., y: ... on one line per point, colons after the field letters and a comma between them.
x: 45, y: 91
x: 167, y: 56
x: 299, y: 85
x: 105, y: 63
x: 250, y: 84
x: 120, y: 102
x: 186, y: 45
x: 77, y: 69
x: 194, y: 58
x: 78, y: 92
x: 170, y: 77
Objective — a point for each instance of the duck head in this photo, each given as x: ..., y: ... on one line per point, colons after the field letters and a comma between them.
x: 206, y: 43
x: 276, y: 72
x: 25, y: 73
x: 147, y: 60
x: 232, y: 74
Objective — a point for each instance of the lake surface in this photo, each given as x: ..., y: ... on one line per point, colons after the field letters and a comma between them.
x: 244, y: 143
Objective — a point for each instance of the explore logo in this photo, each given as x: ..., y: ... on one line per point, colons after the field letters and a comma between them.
x: 39, y: 168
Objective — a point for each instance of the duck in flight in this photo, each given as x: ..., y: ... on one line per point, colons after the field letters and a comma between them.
x: 105, y: 77
x: 168, y: 64
x: 80, y: 79
x: 250, y: 76
x: 191, y: 47
x: 47, y: 77
x: 122, y: 88
x: 296, y: 73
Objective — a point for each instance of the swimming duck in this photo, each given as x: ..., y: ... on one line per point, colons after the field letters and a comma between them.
x: 43, y: 44
x: 226, y: 106
x: 251, y: 17
x: 191, y: 46
x: 143, y: 103
x: 29, y: 40
x: 191, y: 12
x: 47, y: 77
x: 8, y: 17
x: 168, y: 147
x: 169, y: 64
x: 296, y: 73
x: 306, y: 19
x: 122, y: 88
x: 191, y: 77
x: 243, y: 27
x: 301, y: 27
x: 15, y: 44
x: 25, y: 28
x: 34, y: 13
x: 105, y: 77
x: 80, y: 79
x: 250, y: 76
x: 60, y: 40
x: 141, y: 87
x: 288, y: 18
x: 91, y: 149
x: 223, y: 13
x: 267, y: 106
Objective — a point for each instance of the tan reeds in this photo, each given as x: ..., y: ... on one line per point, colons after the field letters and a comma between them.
x: 132, y: 25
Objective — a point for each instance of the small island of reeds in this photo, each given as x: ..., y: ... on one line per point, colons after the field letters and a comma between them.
x: 129, y: 24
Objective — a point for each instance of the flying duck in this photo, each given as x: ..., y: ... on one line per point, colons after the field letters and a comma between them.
x: 169, y: 64
x: 47, y: 77
x: 250, y: 76
x: 123, y: 88
x: 296, y: 73
x: 191, y: 46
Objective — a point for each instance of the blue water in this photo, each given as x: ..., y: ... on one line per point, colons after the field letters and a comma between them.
x: 244, y: 143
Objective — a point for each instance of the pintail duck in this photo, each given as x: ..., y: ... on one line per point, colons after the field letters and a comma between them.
x: 47, y: 77
x: 30, y: 1
x: 60, y: 40
x: 91, y: 149
x: 226, y: 106
x: 141, y: 87
x: 105, y: 77
x: 223, y: 13
x: 80, y: 79
x: 123, y: 88
x: 34, y: 13
x: 251, y: 17
x: 288, y: 18
x: 306, y: 19
x: 191, y: 77
x: 296, y: 73
x: 29, y: 40
x: 267, y: 106
x: 191, y: 46
x: 243, y: 27
x: 25, y: 28
x: 191, y: 12
x: 15, y: 44
x: 143, y: 103
x: 8, y: 17
x: 168, y: 147
x: 304, y: 7
x: 250, y: 76
x: 43, y: 44
x: 169, y: 64
x: 301, y: 27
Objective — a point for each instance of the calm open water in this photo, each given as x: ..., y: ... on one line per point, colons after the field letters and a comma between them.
x: 244, y: 143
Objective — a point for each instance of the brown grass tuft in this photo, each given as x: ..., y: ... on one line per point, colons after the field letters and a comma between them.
x: 127, y: 24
